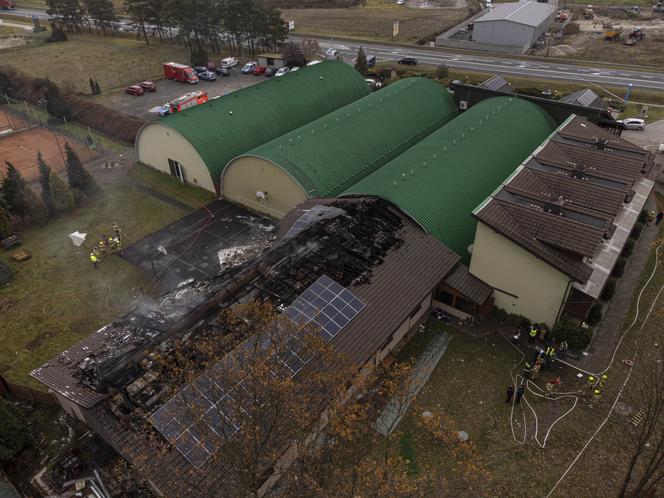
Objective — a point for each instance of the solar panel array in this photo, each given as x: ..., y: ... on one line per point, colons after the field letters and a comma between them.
x: 203, y: 413
x: 587, y: 98
x: 495, y: 83
x: 326, y: 304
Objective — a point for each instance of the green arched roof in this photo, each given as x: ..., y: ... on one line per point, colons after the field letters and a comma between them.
x: 439, y: 181
x: 239, y: 121
x: 335, y: 151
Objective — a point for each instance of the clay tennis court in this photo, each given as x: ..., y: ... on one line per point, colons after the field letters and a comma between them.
x: 21, y: 147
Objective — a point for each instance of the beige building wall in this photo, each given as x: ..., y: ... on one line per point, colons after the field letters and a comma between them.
x: 247, y: 175
x: 156, y: 144
x: 523, y: 284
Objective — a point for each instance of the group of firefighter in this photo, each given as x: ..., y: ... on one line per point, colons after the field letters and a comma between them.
x: 107, y: 246
x: 543, y: 360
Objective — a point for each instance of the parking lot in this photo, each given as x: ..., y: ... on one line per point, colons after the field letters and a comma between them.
x: 169, y: 89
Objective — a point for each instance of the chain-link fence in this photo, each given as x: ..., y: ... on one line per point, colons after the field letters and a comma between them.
x: 20, y: 115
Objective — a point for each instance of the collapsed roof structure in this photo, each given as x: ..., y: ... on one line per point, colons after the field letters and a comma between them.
x: 365, y: 246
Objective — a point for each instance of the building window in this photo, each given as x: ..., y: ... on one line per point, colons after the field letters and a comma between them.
x: 444, y: 297
x: 270, y: 61
x: 176, y: 169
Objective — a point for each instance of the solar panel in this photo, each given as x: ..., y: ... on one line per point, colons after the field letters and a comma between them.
x: 326, y: 304
x: 495, y: 83
x: 587, y: 98
x: 197, y: 418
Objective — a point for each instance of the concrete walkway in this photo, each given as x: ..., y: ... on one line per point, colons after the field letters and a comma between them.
x: 395, y: 410
x: 608, y: 332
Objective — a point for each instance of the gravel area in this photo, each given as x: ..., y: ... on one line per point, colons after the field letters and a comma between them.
x: 168, y: 90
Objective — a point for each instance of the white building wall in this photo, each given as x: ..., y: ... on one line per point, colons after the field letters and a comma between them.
x: 157, y: 143
x: 523, y: 284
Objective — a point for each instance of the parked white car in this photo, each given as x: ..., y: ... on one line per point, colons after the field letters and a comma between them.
x: 249, y: 67
x: 313, y: 63
x: 281, y: 71
x: 632, y: 123
x: 228, y: 62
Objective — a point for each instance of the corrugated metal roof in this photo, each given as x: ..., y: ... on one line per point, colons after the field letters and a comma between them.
x: 439, y: 181
x: 469, y: 285
x: 529, y: 13
x: 235, y: 123
x: 332, y: 153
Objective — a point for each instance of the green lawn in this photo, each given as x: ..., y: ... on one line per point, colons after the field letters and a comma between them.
x: 469, y: 387
x: 59, y: 297
x: 188, y: 194
x: 112, y: 60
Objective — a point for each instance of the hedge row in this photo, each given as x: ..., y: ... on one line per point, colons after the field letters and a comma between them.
x: 108, y: 121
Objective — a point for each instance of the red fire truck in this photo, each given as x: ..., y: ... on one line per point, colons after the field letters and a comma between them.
x: 179, y: 72
x: 188, y: 100
x: 7, y: 4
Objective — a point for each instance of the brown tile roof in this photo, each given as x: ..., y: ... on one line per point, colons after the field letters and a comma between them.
x: 494, y: 215
x: 581, y: 129
x: 583, y: 192
x: 558, y: 231
x: 602, y: 163
x: 469, y: 285
x: 58, y: 373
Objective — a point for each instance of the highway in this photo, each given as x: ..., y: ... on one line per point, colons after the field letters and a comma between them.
x: 516, y: 67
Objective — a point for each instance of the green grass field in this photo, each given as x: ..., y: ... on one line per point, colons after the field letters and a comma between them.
x: 188, y: 194
x: 58, y: 296
x: 112, y: 61
x: 469, y: 387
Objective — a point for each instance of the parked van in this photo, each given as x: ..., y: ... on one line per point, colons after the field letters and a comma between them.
x: 228, y: 62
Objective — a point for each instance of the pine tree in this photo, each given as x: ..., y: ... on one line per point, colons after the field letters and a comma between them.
x: 97, y: 89
x: 13, y: 191
x: 361, y: 62
x: 55, y: 104
x: 36, y: 209
x: 92, y: 86
x: 77, y: 175
x: 5, y: 223
x: 44, y: 174
x: 63, y: 198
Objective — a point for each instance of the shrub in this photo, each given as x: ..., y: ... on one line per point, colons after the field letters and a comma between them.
x: 619, y: 268
x: 14, y: 436
x: 113, y: 123
x: 57, y: 34
x: 609, y: 289
x: 517, y: 320
x: 636, y: 231
x: 594, y: 314
x: 499, y: 314
x: 576, y: 337
x: 571, y: 29
x: 643, y: 216
x: 628, y: 249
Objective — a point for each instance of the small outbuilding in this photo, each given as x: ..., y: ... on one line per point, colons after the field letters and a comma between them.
x: 514, y: 24
x: 273, y: 60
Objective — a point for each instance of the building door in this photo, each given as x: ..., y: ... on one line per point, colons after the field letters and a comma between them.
x: 176, y: 170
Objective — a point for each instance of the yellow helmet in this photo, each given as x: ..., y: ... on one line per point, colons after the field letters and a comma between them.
x: 604, y: 377
x: 597, y: 392
x: 591, y: 378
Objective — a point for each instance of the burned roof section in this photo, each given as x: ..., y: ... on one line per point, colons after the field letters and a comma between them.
x: 564, y: 203
x: 348, y: 247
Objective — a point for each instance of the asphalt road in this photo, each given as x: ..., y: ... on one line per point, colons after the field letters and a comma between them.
x: 535, y: 69
x: 516, y: 67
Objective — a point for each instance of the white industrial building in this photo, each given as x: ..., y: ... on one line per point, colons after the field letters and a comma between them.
x: 518, y: 24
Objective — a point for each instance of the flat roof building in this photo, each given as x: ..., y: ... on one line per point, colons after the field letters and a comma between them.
x: 515, y: 24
